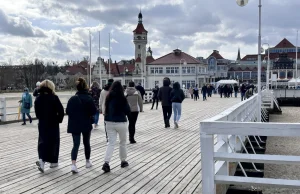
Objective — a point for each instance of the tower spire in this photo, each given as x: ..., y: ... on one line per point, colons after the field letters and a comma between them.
x: 140, y: 17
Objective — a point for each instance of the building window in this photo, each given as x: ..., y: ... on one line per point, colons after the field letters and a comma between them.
x: 139, y: 55
x: 97, y: 71
x: 156, y: 70
x: 188, y: 70
x: 172, y: 70
x: 103, y: 83
x: 127, y: 81
x: 139, y: 46
x: 188, y: 83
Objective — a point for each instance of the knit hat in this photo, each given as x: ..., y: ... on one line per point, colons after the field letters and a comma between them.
x: 38, y: 84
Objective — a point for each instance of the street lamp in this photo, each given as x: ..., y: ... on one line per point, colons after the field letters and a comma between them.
x: 268, y: 66
x: 125, y: 72
x: 243, y: 3
x: 180, y: 69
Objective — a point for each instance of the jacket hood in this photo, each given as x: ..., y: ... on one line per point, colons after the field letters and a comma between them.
x: 176, y: 86
x: 166, y: 82
x: 130, y: 90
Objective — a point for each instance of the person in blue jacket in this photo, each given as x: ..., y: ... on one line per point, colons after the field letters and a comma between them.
x: 26, y: 105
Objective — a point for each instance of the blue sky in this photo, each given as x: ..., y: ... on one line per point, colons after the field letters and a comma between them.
x: 58, y: 30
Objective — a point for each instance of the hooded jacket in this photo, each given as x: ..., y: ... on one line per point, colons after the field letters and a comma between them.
x: 164, y: 94
x: 134, y: 99
x: 177, y: 94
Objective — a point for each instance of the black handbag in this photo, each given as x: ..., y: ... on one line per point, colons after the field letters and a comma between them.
x: 26, y: 105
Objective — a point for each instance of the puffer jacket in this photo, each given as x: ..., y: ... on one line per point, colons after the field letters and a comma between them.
x: 134, y: 99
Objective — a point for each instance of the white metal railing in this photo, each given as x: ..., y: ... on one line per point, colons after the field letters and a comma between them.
x: 9, y: 105
x: 232, y: 128
x: 287, y: 93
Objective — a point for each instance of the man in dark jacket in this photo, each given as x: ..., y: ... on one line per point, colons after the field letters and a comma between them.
x: 155, y: 97
x: 141, y: 90
x: 236, y: 89
x: 36, y: 91
x: 164, y: 95
x: 204, y: 92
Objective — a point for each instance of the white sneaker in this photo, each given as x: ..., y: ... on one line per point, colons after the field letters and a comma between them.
x: 74, y: 169
x: 53, y: 165
x: 175, y: 125
x: 41, y: 165
x: 96, y: 126
x: 88, y: 164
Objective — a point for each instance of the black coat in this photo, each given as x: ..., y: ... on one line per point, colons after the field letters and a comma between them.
x: 116, y: 111
x: 155, y: 93
x: 177, y: 95
x: 164, y: 95
x: 50, y: 113
x: 141, y: 90
x: 80, y: 109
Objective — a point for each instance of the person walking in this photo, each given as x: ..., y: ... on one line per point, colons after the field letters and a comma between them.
x: 81, y: 109
x: 141, y: 89
x: 196, y: 92
x: 164, y: 96
x: 209, y: 90
x: 26, y: 105
x: 95, y: 93
x: 177, y: 96
x: 243, y: 92
x: 103, y: 95
x: 236, y: 90
x: 155, y: 97
x: 36, y: 91
x: 135, y: 102
x: 50, y: 112
x: 116, y: 110
x: 191, y: 92
x: 204, y: 92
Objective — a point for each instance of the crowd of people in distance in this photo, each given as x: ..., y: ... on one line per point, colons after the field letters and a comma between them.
x: 246, y: 90
x: 207, y: 90
x: 119, y: 105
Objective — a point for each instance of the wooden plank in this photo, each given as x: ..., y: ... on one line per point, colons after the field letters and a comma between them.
x: 178, y: 151
x: 257, y: 158
x: 281, y: 183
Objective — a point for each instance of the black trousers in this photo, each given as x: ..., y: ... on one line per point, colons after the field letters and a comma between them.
x: 131, y: 127
x: 167, y: 111
x: 76, y: 144
x: 196, y: 97
x: 154, y: 100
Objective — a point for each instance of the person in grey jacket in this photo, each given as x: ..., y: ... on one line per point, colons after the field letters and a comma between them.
x: 135, y: 102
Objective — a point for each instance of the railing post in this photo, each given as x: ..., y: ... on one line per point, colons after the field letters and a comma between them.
x: 3, y: 108
x: 207, y: 163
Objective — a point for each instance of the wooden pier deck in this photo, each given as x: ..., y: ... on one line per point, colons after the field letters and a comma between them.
x: 163, y: 160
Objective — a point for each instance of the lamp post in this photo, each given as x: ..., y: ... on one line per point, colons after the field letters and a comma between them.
x: 243, y: 3
x: 125, y: 72
x: 268, y: 66
x: 180, y: 69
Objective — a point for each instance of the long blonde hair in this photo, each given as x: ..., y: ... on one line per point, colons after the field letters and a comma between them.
x: 48, y: 84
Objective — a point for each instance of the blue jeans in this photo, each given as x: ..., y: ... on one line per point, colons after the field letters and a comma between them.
x: 204, y: 96
x: 24, y: 118
x: 96, y: 117
x: 243, y: 96
x: 235, y: 94
x: 177, y: 111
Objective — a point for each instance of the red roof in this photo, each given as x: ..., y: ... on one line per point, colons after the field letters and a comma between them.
x: 172, y: 58
x: 114, y: 70
x: 284, y: 44
x: 72, y: 70
x: 130, y: 68
x: 253, y: 57
x: 149, y: 59
x: 138, y: 60
x: 216, y: 54
x: 140, y: 29
x: 272, y: 56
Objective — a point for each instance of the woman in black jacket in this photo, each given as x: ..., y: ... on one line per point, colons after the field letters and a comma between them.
x: 117, y: 111
x: 81, y: 109
x: 50, y: 113
x: 177, y: 96
x: 155, y: 97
